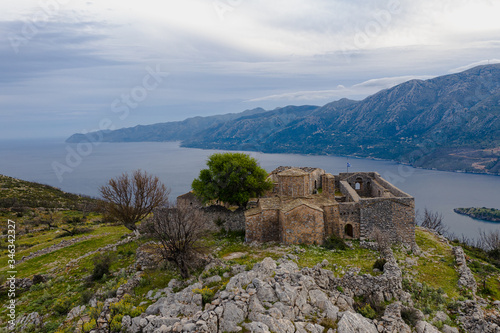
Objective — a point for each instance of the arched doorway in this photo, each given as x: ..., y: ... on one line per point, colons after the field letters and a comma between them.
x: 348, y: 230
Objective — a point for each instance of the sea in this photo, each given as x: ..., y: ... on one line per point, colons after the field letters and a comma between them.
x: 83, y: 168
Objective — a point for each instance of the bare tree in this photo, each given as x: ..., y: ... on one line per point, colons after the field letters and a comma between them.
x: 488, y: 241
x: 178, y: 230
x: 432, y: 220
x: 131, y: 199
x: 382, y: 240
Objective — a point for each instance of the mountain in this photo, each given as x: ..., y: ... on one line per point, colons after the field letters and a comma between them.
x: 170, y: 131
x: 451, y: 122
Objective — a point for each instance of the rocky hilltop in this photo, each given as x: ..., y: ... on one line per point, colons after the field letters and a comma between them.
x: 450, y: 122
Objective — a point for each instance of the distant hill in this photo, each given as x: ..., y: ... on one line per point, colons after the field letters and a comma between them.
x: 450, y: 122
x: 170, y: 131
x: 17, y: 193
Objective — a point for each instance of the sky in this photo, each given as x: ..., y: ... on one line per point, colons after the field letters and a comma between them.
x: 69, y: 66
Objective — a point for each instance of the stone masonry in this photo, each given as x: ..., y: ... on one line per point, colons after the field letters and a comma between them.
x: 307, y: 205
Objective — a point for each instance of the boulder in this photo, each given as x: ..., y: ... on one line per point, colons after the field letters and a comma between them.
x: 355, y: 323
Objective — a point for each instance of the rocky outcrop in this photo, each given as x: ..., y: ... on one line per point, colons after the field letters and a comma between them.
x: 466, y: 279
x: 354, y: 323
x: 278, y: 297
x: 472, y: 318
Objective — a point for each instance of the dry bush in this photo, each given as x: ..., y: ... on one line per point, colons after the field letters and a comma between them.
x: 178, y: 231
x: 432, y: 220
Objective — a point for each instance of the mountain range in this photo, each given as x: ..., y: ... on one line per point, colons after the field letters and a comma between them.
x: 450, y: 122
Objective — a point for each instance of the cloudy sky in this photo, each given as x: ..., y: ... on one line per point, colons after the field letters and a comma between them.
x: 68, y: 65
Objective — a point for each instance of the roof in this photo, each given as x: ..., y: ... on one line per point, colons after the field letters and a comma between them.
x: 297, y: 203
x: 294, y: 172
x: 281, y: 169
x: 189, y: 196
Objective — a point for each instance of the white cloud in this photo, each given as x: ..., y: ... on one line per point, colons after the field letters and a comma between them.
x: 474, y: 64
x: 361, y: 89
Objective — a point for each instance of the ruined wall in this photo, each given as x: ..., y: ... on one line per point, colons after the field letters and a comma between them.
x: 263, y: 227
x: 393, y: 218
x: 331, y: 217
x: 391, y: 188
x: 328, y: 185
x: 315, y: 180
x: 302, y: 225
x: 378, y: 190
x: 348, y: 215
x: 349, y: 193
x: 231, y: 220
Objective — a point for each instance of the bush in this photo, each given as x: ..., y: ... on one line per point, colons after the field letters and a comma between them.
x: 207, y: 294
x: 102, y: 263
x: 62, y: 306
x: 86, y: 296
x: 367, y: 311
x: 335, y: 243
x: 410, y: 316
x: 379, y: 264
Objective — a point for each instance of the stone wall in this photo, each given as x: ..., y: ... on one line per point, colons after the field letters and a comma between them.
x: 394, y: 218
x: 293, y: 186
x: 230, y: 220
x: 315, y: 180
x: 302, y: 225
x: 263, y: 226
x: 328, y: 184
x: 349, y: 214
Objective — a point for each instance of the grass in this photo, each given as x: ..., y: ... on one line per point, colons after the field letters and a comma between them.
x: 437, y: 267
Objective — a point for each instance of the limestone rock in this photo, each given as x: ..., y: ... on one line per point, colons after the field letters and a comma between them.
x: 355, y: 323
x: 425, y: 327
x: 466, y: 279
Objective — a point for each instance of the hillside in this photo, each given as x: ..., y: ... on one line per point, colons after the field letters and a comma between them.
x: 171, y: 131
x: 106, y: 280
x: 450, y: 122
x: 21, y: 194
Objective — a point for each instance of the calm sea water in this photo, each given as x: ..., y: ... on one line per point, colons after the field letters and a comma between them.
x: 37, y: 160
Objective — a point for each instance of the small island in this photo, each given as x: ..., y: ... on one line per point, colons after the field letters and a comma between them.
x: 480, y: 213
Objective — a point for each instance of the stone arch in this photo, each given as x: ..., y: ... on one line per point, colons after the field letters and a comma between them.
x: 358, y: 184
x: 348, y: 230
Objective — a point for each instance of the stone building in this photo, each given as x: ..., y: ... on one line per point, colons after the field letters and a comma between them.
x: 307, y: 205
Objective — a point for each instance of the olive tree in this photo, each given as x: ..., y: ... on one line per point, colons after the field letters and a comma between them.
x: 232, y: 178
x: 129, y: 199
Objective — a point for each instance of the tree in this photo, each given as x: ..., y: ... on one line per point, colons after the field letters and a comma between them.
x: 432, y: 220
x: 178, y: 231
x: 131, y: 199
x: 232, y: 178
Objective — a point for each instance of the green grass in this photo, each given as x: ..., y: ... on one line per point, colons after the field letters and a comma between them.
x: 437, y: 268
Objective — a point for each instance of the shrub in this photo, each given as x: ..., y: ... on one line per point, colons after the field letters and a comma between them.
x: 335, y: 243
x: 102, y: 263
x: 207, y: 294
x: 379, y: 264
x: 410, y: 316
x: 62, y: 306
x: 367, y: 311
x: 86, y: 296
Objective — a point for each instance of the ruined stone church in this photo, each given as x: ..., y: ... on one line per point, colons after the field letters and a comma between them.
x: 307, y: 205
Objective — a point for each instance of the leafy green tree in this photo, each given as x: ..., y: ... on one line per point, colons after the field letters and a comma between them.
x: 232, y: 178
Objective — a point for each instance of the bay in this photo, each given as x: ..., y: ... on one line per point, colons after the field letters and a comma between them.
x: 84, y: 168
